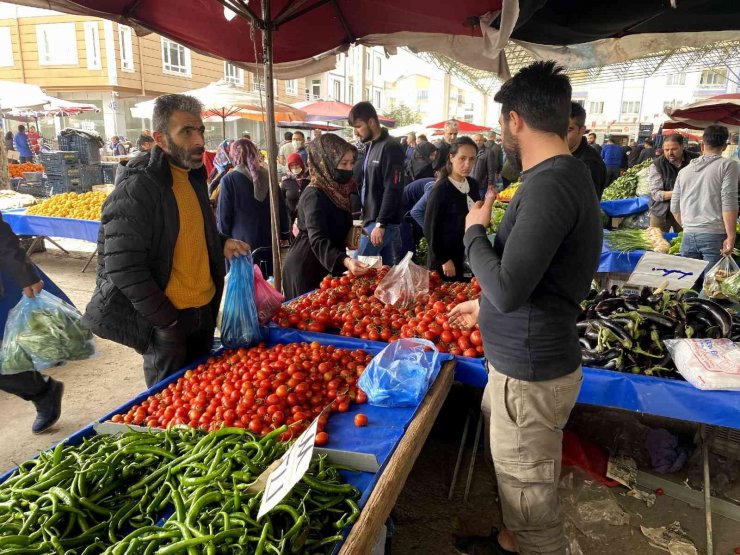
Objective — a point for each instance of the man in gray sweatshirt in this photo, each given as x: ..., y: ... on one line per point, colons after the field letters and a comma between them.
x: 705, y: 200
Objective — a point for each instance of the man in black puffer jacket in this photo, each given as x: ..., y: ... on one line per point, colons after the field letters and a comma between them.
x: 161, y: 263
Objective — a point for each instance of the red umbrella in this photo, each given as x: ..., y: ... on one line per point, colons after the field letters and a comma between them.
x: 332, y: 110
x: 723, y: 109
x: 462, y: 126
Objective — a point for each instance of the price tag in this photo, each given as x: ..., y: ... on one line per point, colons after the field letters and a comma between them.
x: 655, y: 269
x: 294, y: 465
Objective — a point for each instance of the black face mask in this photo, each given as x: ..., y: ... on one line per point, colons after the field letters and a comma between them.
x: 342, y: 176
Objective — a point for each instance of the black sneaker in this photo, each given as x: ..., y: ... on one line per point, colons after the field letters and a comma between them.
x: 49, y: 408
x: 482, y: 545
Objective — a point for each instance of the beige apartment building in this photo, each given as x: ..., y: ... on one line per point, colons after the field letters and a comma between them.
x: 104, y: 63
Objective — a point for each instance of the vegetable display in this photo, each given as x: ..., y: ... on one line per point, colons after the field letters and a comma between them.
x: 17, y: 170
x: 85, y: 206
x: 626, y: 240
x: 169, y: 492
x: 347, y: 306
x: 261, y: 388
x: 625, y: 332
x: 507, y: 194
x: 625, y: 186
x: 497, y: 215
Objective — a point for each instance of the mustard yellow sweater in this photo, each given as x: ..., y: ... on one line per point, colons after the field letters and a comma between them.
x: 191, y: 284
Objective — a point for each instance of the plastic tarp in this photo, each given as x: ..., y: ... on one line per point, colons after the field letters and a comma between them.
x: 622, y: 262
x: 22, y: 224
x: 624, y: 207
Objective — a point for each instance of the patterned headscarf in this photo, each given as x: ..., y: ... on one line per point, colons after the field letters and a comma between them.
x: 221, y: 160
x: 244, y: 153
x: 324, y: 154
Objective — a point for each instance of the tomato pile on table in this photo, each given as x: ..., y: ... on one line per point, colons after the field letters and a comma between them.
x: 346, y: 305
x: 261, y: 389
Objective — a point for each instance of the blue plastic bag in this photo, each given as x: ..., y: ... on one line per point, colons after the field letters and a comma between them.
x: 239, y: 324
x: 400, y: 374
x: 42, y: 332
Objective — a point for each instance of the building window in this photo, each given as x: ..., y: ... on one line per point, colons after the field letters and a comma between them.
x: 580, y: 102
x: 127, y: 49
x: 92, y: 45
x: 378, y: 99
x: 258, y: 85
x: 422, y: 94
x: 676, y: 79
x: 351, y: 94
x: 175, y: 58
x: 631, y: 107
x: 378, y: 66
x: 291, y: 87
x: 366, y: 94
x: 671, y: 105
x: 368, y: 64
x: 6, y: 48
x: 595, y: 107
x: 233, y: 74
x: 713, y: 78
x: 57, y: 44
x: 336, y: 90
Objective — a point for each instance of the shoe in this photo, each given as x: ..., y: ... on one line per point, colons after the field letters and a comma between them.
x: 48, y: 408
x: 482, y: 545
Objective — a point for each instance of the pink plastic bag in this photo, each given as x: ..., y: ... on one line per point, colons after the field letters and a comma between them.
x: 266, y: 297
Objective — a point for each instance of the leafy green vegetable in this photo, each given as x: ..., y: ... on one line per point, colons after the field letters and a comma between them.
x: 497, y: 216
x: 676, y: 244
x: 625, y: 186
x: 731, y: 287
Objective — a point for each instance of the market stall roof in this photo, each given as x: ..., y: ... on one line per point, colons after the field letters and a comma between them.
x: 333, y: 110
x: 15, y: 95
x: 462, y: 126
x: 221, y: 100
x: 723, y: 109
x: 309, y: 125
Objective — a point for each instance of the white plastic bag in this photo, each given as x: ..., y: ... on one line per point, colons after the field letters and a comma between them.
x: 403, y: 284
x: 707, y: 363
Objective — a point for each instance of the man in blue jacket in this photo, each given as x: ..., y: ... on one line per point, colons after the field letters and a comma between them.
x: 612, y: 155
x: 22, y: 145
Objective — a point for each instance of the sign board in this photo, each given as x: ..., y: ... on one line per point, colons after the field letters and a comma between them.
x: 646, y: 130
x: 655, y: 269
x: 293, y: 466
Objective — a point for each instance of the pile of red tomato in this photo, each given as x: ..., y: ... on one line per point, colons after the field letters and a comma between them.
x: 346, y: 305
x: 261, y: 389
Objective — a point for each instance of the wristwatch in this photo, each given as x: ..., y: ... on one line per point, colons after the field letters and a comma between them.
x: 378, y: 225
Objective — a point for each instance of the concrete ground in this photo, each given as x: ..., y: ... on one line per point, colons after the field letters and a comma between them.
x: 426, y: 522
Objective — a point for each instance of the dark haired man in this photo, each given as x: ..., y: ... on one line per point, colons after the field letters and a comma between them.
x: 23, y: 145
x: 579, y: 147
x: 613, y: 156
x: 704, y: 200
x: 381, y: 185
x: 299, y: 146
x: 648, y: 153
x: 592, y: 142
x: 160, y: 258
x: 662, y: 178
x: 533, y: 278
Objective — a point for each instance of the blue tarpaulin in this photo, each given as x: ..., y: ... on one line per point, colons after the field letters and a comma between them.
x: 22, y: 224
x: 622, y: 262
x: 624, y: 207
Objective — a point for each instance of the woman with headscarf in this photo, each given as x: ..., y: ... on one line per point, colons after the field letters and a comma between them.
x: 422, y: 160
x: 221, y: 166
x: 293, y: 183
x: 324, y: 219
x: 243, y: 210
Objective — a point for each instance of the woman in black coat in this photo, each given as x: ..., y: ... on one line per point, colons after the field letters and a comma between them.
x: 324, y: 219
x: 243, y: 210
x: 422, y: 161
x: 449, y: 202
x: 294, y: 182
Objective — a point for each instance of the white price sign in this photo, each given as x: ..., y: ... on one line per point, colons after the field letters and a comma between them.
x: 294, y: 465
x: 655, y: 269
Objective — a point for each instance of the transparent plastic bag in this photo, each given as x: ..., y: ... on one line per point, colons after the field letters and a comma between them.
x: 707, y: 363
x: 643, y: 184
x: 400, y: 374
x: 403, y: 283
x: 239, y: 322
x: 731, y: 287
x: 267, y: 299
x: 717, y: 275
x: 43, y: 332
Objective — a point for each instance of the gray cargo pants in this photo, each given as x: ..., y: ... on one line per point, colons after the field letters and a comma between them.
x: 526, y: 435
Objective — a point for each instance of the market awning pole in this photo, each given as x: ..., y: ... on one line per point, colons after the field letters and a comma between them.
x: 271, y: 144
x: 223, y: 126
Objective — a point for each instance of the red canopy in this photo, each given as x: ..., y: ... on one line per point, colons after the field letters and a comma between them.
x: 332, y: 110
x: 462, y: 126
x: 723, y: 109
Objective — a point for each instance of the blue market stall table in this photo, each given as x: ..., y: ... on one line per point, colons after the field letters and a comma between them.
x: 621, y: 262
x: 45, y: 227
x: 625, y: 207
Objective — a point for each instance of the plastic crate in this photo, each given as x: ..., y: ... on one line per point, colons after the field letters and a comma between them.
x: 39, y: 189
x: 109, y: 173
x: 67, y: 170
x: 67, y: 185
x: 91, y: 175
x: 59, y: 157
x: 88, y: 150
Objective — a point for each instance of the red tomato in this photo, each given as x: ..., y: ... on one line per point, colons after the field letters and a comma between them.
x: 360, y: 420
x: 322, y: 438
x: 475, y: 338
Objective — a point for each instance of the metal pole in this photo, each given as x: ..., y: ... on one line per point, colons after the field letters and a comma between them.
x: 223, y: 127
x: 271, y: 143
x: 707, y: 489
